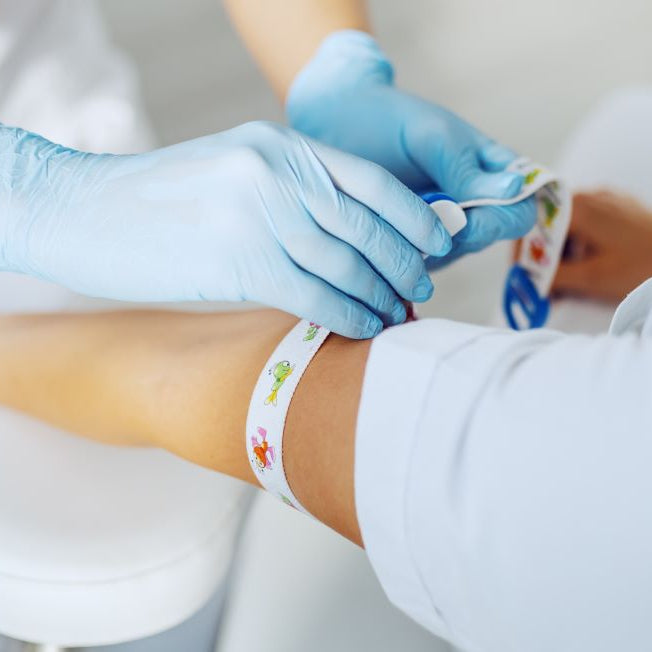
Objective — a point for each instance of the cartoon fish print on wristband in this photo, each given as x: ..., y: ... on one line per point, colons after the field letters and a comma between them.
x: 281, y: 371
x: 264, y: 454
x: 538, y: 251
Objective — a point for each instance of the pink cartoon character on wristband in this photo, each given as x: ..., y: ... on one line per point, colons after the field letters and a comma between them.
x: 264, y: 454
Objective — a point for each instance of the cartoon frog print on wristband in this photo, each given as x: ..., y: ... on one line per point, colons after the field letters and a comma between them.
x: 281, y: 371
x: 312, y: 331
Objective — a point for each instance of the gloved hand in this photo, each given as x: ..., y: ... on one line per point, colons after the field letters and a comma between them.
x: 257, y: 212
x: 345, y: 97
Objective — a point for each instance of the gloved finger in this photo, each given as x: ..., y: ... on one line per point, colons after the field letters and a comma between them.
x: 452, y: 161
x: 312, y: 298
x: 391, y: 255
x: 486, y: 225
x: 374, y: 187
x: 342, y: 267
x: 495, y: 157
x: 469, y: 180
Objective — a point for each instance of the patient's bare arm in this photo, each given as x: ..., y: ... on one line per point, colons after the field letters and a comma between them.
x: 609, y: 248
x: 182, y: 381
x: 283, y: 34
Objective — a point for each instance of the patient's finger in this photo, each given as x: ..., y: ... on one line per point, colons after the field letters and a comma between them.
x: 574, y: 277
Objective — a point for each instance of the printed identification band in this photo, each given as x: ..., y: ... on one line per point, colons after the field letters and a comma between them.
x: 269, y: 406
x: 528, y: 283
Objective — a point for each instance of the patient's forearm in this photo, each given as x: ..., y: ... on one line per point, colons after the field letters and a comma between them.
x: 182, y: 381
x: 79, y: 372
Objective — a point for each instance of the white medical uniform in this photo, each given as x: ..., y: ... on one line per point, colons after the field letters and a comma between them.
x: 504, y: 480
x: 98, y: 545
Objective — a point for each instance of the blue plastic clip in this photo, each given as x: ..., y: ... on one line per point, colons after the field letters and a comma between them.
x: 430, y: 197
x: 520, y: 292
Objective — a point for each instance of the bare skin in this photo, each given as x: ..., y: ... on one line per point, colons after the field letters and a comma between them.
x: 283, y: 35
x: 182, y: 381
x: 608, y: 249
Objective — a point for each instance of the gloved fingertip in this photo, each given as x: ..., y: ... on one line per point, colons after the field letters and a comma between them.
x: 494, y: 185
x: 399, y: 314
x: 508, y: 222
x: 372, y: 328
x: 441, y: 242
x: 434, y: 263
x: 446, y: 242
x: 510, y: 184
x: 530, y: 207
x: 423, y: 290
x: 495, y: 157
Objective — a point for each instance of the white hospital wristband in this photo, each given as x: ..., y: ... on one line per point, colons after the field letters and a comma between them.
x: 269, y: 406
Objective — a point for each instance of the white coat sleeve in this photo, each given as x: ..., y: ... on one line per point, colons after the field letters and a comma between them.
x: 504, y: 485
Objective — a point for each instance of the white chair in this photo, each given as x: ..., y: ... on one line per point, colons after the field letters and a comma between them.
x: 101, y: 545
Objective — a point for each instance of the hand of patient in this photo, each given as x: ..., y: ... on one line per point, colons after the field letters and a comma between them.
x: 609, y: 247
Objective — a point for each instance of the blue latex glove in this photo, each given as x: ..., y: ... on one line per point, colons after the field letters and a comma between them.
x: 345, y: 97
x: 258, y: 213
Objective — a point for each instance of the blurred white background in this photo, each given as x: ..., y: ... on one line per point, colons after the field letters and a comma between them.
x: 524, y: 72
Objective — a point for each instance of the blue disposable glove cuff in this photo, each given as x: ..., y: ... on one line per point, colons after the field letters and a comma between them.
x: 345, y: 60
x: 8, y: 138
x: 350, y: 56
x: 19, y: 150
x: 323, y: 102
x: 37, y: 178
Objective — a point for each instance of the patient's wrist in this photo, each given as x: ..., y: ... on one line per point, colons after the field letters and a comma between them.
x: 319, y: 436
x: 207, y: 377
